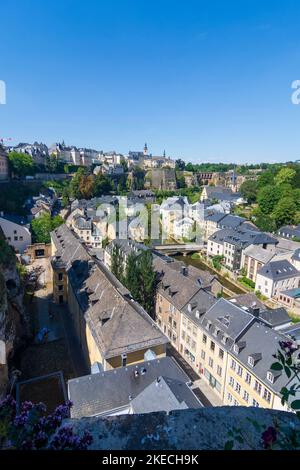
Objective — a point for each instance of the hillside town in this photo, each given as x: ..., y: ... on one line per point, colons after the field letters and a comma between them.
x: 131, y: 269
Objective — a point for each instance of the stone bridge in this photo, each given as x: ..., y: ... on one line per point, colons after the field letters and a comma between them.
x: 183, y: 248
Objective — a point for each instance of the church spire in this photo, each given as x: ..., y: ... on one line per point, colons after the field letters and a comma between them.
x: 145, y: 149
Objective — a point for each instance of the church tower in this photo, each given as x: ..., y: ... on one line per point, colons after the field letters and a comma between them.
x: 145, y: 149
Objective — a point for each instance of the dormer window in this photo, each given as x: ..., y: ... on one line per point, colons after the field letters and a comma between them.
x: 236, y: 349
x: 197, y: 314
x: 254, y: 358
x: 224, y: 339
x: 251, y: 361
x: 270, y: 377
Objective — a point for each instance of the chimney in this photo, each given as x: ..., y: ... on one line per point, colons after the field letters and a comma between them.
x: 254, y: 309
x: 184, y: 270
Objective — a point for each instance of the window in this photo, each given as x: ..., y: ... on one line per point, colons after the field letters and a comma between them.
x: 233, y: 364
x: 267, y: 395
x: 251, y: 361
x: 16, y: 239
x: 15, y: 231
x: 229, y: 397
x: 221, y: 353
x: 219, y: 370
x: 257, y: 387
x: 246, y: 396
x: 188, y: 339
x: 248, y: 378
x: 231, y: 382
x: 60, y: 276
x: 210, y: 362
x: 212, y: 346
x: 183, y: 335
x: 255, y: 403
x: 239, y: 371
x: 174, y: 324
x: 194, y: 330
x: 124, y: 360
x: 202, y: 354
x: 204, y: 339
x: 194, y: 345
x: 21, y: 239
x: 237, y: 388
x: 60, y: 287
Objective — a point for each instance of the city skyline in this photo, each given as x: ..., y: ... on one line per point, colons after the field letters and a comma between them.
x: 207, y: 83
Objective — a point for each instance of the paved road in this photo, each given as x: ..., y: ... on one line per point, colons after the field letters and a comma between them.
x: 56, y: 318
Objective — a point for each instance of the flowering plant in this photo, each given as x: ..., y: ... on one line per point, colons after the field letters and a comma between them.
x: 278, y: 436
x: 30, y: 428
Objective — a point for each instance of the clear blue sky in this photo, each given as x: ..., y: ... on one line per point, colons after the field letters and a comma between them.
x: 205, y: 80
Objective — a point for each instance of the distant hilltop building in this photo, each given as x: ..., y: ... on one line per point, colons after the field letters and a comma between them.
x: 73, y: 155
x: 38, y: 151
x: 146, y: 160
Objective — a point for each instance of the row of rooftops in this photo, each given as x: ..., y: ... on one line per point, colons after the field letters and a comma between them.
x: 117, y: 323
x: 242, y: 237
x: 156, y: 385
x: 243, y: 320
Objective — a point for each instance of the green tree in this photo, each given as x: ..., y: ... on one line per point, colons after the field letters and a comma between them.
x: 43, y: 225
x: 21, y: 164
x: 266, y: 178
x: 249, y: 190
x: 267, y: 198
x: 285, y: 211
x: 131, y: 280
x: 285, y: 175
x: 147, y: 282
x: 102, y: 185
x: 117, y: 263
x: 75, y: 183
x: 180, y: 164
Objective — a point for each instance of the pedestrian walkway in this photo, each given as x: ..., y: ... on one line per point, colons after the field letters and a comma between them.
x: 210, y: 397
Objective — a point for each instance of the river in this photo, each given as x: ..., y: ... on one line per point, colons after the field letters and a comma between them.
x: 199, y: 264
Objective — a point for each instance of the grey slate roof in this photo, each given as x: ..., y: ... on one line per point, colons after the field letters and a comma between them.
x: 200, y: 303
x: 178, y: 289
x: 241, y: 237
x: 16, y: 219
x: 259, y: 253
x: 160, y: 395
x: 248, y: 300
x: 275, y: 317
x: 106, y: 391
x: 262, y: 343
x: 271, y: 317
x: 215, y: 217
x: 117, y: 323
x: 126, y: 246
x: 294, y: 293
x: 226, y: 321
x: 296, y: 255
x: 278, y: 270
x: 231, y: 221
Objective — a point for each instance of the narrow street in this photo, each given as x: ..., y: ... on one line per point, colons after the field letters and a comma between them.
x: 55, y: 352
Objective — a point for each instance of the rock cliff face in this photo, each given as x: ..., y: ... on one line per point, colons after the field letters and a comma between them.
x: 201, y: 429
x: 14, y: 325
